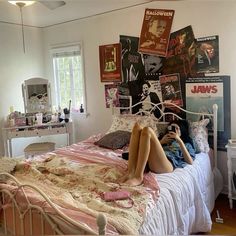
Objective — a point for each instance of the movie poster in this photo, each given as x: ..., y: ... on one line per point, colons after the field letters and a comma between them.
x: 153, y: 66
x: 151, y: 93
x: 202, y: 93
x: 171, y: 89
x: 125, y: 99
x: 155, y: 32
x: 111, y: 95
x: 207, y: 56
x: 131, y: 59
x: 110, y: 66
x: 181, y: 53
x: 180, y: 41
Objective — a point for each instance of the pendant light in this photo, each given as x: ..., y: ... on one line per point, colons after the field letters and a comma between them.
x: 22, y: 4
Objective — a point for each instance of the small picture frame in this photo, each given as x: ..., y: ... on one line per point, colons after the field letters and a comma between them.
x: 110, y: 62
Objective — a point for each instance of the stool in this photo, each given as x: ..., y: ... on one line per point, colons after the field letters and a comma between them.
x: 39, y: 148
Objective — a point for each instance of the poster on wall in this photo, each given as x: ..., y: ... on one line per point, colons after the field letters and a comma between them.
x: 181, y: 41
x: 150, y: 92
x: 110, y: 65
x: 171, y: 89
x: 181, y: 56
x: 111, y: 95
x: 201, y: 94
x: 153, y: 66
x: 131, y: 59
x: 155, y: 32
x: 207, y: 55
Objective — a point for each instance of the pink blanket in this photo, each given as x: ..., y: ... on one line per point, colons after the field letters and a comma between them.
x: 75, y: 177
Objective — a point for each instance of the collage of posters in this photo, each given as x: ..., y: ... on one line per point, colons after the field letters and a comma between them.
x: 166, y: 65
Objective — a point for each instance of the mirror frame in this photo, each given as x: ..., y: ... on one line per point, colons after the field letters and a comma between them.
x: 41, y: 100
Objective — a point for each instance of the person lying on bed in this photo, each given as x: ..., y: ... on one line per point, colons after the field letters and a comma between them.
x: 147, y: 153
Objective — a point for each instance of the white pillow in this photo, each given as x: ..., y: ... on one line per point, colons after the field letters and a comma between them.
x: 126, y: 122
x: 199, y: 133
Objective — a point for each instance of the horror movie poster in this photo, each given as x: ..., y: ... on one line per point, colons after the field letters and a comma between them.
x: 201, y: 94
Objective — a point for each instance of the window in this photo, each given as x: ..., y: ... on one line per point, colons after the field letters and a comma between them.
x: 68, y: 77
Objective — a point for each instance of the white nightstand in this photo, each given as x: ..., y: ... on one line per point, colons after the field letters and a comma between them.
x: 231, y: 156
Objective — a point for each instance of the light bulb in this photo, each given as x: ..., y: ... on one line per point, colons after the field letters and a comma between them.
x: 22, y: 3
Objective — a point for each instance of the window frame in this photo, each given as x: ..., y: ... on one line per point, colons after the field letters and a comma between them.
x: 60, y: 49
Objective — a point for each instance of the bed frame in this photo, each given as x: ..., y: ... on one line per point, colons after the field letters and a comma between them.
x: 60, y: 223
x: 23, y: 216
x: 161, y: 107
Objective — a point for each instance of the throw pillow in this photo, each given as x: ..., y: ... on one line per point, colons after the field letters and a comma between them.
x: 199, y: 133
x: 126, y: 122
x: 114, y: 140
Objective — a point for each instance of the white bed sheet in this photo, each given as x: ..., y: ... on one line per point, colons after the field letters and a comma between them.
x: 186, y: 199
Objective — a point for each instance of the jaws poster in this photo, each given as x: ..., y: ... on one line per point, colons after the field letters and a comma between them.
x: 202, y: 93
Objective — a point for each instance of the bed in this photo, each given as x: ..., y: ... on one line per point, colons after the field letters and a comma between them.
x: 62, y: 192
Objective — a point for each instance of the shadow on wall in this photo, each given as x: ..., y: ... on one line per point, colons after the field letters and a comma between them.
x: 2, y: 123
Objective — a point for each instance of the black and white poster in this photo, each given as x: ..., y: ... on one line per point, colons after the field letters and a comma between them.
x: 132, y: 64
x: 153, y: 66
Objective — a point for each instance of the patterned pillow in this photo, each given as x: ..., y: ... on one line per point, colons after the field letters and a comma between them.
x: 199, y: 133
x: 114, y: 140
x: 161, y: 128
x: 126, y: 122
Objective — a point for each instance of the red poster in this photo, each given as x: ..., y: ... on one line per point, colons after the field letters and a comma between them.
x: 155, y: 33
x: 110, y: 62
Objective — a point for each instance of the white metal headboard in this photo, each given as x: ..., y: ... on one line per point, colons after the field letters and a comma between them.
x: 161, y: 107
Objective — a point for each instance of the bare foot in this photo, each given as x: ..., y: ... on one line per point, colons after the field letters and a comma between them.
x: 123, y: 178
x: 134, y: 182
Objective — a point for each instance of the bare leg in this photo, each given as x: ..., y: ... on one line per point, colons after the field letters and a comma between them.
x: 133, y: 152
x: 151, y: 152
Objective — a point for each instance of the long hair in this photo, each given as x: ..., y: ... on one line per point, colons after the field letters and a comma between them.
x: 184, y: 129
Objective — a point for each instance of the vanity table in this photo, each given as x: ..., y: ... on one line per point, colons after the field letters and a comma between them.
x: 10, y: 133
x: 37, y: 101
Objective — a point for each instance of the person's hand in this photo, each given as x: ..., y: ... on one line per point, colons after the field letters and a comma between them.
x: 167, y: 138
x: 175, y: 135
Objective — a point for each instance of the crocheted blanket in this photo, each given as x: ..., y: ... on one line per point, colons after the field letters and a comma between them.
x: 77, y: 186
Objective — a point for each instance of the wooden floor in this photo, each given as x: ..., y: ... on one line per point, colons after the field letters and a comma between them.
x: 228, y: 215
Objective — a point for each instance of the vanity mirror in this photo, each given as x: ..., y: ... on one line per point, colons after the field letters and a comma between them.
x: 37, y: 95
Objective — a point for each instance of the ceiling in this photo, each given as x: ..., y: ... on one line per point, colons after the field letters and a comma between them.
x: 38, y: 15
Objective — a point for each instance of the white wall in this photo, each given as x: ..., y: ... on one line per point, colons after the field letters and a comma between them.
x: 210, y: 18
x: 206, y: 17
x: 15, y: 67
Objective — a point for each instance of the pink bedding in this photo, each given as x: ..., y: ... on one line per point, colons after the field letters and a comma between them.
x: 74, y: 178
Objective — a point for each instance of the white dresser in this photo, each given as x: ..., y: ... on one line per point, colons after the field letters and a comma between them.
x: 10, y: 133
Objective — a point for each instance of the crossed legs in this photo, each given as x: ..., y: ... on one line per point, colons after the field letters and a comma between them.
x: 145, y: 148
